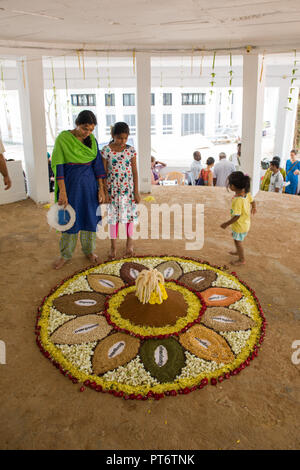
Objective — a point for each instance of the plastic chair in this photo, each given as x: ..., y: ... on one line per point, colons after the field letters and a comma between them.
x: 176, y: 175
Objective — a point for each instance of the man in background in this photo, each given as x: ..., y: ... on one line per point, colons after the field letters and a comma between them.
x: 222, y: 170
x: 3, y: 167
x: 196, y: 167
x: 235, y: 158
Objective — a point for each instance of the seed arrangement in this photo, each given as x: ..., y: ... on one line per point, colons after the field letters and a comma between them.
x: 104, y: 328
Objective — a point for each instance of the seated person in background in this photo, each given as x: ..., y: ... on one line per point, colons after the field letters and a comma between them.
x: 222, y: 170
x: 156, y: 166
x: 196, y: 167
x: 3, y: 168
x: 50, y: 174
x: 205, y: 177
x: 267, y: 177
x: 276, y: 180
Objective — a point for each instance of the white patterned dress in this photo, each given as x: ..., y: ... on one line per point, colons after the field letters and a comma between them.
x: 120, y: 185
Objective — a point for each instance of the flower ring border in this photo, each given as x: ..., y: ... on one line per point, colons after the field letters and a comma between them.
x: 159, y: 391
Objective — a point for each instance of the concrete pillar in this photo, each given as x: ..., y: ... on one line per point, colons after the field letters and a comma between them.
x: 285, y: 125
x: 252, y: 122
x: 143, y: 90
x: 31, y: 95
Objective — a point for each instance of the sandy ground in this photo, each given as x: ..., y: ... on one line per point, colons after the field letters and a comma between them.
x: 258, y: 409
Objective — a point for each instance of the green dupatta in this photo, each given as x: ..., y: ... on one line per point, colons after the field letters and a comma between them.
x: 68, y: 149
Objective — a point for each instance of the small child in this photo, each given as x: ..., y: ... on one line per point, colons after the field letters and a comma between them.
x: 242, y: 206
x: 196, y: 167
x: 122, y: 180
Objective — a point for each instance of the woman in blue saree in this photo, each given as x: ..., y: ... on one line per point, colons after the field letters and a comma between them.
x: 79, y: 172
x: 292, y: 172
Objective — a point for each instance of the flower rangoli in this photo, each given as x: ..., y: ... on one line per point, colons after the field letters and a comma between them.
x: 95, y: 330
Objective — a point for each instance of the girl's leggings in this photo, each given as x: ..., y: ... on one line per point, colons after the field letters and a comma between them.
x: 68, y: 243
x: 114, y: 230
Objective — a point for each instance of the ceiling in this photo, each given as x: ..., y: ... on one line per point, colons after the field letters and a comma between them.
x: 155, y: 25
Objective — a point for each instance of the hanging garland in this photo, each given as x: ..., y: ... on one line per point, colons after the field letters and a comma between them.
x: 230, y: 76
x: 213, y: 75
x: 98, y: 71
x: 108, y: 74
x: 55, y: 99
x: 6, y: 108
x: 192, y: 61
x: 201, y: 64
x: 133, y: 61
x: 294, y: 70
x: 67, y: 95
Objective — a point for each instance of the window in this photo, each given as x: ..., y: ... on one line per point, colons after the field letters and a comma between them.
x: 130, y: 120
x: 83, y: 100
x: 152, y: 99
x: 153, y: 131
x: 167, y: 124
x: 128, y: 99
x: 109, y: 99
x: 74, y: 100
x: 167, y: 99
x: 193, y: 98
x: 110, y: 120
x: 192, y: 124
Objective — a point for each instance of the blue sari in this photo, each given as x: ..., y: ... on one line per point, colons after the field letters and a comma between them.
x: 293, y: 179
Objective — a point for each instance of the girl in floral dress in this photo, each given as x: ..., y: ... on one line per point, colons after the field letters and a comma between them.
x: 122, y: 183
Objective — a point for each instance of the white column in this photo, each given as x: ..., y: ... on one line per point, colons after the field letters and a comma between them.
x: 31, y: 95
x: 285, y: 125
x: 143, y: 90
x: 253, y: 108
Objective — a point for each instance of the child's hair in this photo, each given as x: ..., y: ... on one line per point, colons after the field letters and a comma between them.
x: 239, y: 181
x: 197, y: 154
x: 275, y: 163
x: 277, y: 159
x: 120, y: 128
x: 86, y: 117
x: 210, y: 161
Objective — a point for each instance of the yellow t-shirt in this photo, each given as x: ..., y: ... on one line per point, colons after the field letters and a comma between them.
x: 241, y: 206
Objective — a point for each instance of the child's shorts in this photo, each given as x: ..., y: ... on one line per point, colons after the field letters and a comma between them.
x: 239, y: 236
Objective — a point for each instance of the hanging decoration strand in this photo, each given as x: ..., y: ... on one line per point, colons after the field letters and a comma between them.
x: 230, y: 76
x: 133, y: 61
x: 262, y: 68
x: 98, y: 70
x: 78, y: 56
x: 83, y: 65
x: 55, y: 99
x: 201, y: 64
x: 6, y: 108
x: 23, y: 73
x: 67, y: 94
x: 293, y: 75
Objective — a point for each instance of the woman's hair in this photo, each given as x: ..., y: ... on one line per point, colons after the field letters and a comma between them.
x: 239, y: 181
x: 294, y: 151
x: 210, y: 161
x: 120, y: 128
x: 86, y: 117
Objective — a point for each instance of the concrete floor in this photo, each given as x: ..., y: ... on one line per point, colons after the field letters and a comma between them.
x: 41, y: 409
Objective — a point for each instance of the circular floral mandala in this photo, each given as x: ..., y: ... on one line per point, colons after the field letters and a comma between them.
x: 95, y: 331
